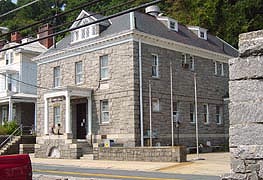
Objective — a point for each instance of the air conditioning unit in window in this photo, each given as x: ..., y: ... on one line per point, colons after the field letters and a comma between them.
x: 185, y: 66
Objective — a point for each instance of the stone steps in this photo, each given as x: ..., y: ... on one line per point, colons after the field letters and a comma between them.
x: 87, y: 157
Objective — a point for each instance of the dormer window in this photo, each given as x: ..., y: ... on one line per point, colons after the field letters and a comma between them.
x: 168, y: 22
x: 200, y: 32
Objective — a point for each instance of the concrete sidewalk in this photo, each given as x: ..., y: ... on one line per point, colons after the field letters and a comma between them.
x: 214, y: 164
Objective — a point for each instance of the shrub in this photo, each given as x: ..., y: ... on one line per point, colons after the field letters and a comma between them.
x: 8, y: 128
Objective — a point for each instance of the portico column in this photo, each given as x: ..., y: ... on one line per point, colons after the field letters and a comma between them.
x: 46, y: 117
x: 10, y: 112
x: 89, y: 116
x: 68, y: 119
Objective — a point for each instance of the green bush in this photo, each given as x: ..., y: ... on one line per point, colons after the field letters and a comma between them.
x: 3, y: 130
x: 8, y: 128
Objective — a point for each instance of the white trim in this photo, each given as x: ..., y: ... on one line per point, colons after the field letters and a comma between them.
x: 129, y: 36
x: 157, y: 66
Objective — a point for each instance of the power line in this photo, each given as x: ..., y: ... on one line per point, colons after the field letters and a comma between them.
x: 88, y: 24
x: 70, y: 22
x: 52, y: 17
x: 14, y: 10
x: 32, y: 85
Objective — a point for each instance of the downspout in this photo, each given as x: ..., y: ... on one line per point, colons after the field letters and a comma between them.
x: 141, y: 99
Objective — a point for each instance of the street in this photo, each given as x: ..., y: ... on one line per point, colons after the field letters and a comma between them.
x: 79, y: 172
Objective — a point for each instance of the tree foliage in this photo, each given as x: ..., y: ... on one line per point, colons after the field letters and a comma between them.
x: 223, y: 18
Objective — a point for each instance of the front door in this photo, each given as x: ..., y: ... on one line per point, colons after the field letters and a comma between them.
x: 81, y: 121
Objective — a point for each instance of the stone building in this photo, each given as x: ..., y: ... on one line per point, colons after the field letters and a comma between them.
x: 98, y: 79
x: 18, y: 79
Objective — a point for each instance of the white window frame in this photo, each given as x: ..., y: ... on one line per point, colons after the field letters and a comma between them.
x: 57, y: 78
x: 155, y: 105
x: 9, y: 57
x: 4, y: 114
x: 79, y: 74
x: 176, y: 111
x: 222, y: 69
x: 219, y: 114
x: 192, y: 113
x: 175, y: 27
x: 104, y: 68
x: 104, y: 111
x: 215, y: 68
x: 155, y: 65
x: 206, y: 113
x: 57, y: 115
x: 183, y: 58
x: 192, y: 62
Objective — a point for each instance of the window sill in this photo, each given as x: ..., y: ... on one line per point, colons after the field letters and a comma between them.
x: 192, y: 122
x: 219, y: 124
x: 206, y: 123
x: 105, y: 123
x: 156, y: 77
x: 104, y: 80
x: 80, y: 83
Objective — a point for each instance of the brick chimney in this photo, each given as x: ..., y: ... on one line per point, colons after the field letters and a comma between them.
x: 16, y: 37
x: 43, y: 31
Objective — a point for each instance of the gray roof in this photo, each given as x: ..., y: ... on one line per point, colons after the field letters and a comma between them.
x: 150, y: 25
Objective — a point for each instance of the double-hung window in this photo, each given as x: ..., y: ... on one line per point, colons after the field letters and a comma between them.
x: 215, y: 68
x: 184, y: 59
x: 104, y: 107
x: 192, y: 63
x: 222, y: 69
x: 78, y: 72
x: 57, y: 119
x: 9, y: 57
x: 155, y: 66
x: 192, y: 113
x: 155, y: 105
x: 57, y: 76
x: 219, y: 114
x: 175, y: 112
x: 104, y: 67
x: 205, y: 113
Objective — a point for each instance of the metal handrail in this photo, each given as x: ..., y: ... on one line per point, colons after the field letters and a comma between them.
x: 11, y: 135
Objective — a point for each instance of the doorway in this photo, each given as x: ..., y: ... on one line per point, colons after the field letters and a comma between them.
x: 81, y: 120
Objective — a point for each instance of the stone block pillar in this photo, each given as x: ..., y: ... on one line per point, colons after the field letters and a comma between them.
x: 246, y: 109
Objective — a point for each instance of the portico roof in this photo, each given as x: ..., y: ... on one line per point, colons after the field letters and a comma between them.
x: 68, y: 91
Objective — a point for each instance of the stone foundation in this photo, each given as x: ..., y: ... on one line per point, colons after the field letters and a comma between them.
x: 246, y: 120
x: 157, y: 154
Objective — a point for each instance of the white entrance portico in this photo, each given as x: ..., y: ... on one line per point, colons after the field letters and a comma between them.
x: 69, y: 93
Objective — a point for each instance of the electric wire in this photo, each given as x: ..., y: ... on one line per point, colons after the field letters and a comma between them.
x: 14, y: 10
x: 79, y: 19
x: 88, y: 24
x: 52, y: 17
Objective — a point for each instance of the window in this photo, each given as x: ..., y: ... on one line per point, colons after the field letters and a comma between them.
x: 192, y: 63
x: 183, y: 57
x: 192, y: 113
x: 155, y: 66
x: 11, y: 82
x: 205, y: 114
x: 219, y: 114
x: 172, y: 25
x: 175, y: 112
x: 57, y: 119
x: 222, y: 69
x: 78, y: 72
x: 104, y: 68
x: 56, y: 76
x: 104, y: 107
x: 4, y: 114
x: 14, y: 112
x: 9, y: 57
x: 215, y: 66
x: 155, y: 105
x: 202, y: 34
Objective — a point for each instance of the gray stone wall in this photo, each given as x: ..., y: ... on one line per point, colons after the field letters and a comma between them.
x: 246, y: 137
x: 157, y: 154
x: 118, y: 89
x: 210, y: 90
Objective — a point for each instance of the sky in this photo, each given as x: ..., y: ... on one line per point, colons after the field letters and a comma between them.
x: 14, y: 1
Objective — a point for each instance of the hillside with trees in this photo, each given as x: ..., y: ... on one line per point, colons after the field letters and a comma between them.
x: 223, y: 18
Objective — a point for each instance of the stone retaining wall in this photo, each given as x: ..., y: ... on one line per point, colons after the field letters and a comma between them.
x: 157, y: 154
x: 246, y: 112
